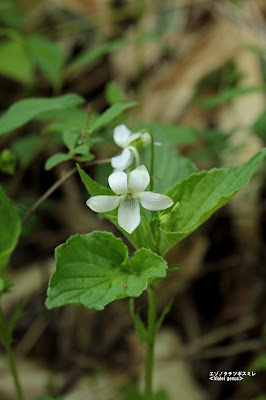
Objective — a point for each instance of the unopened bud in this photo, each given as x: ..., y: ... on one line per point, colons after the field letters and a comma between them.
x: 146, y: 139
x: 169, y: 217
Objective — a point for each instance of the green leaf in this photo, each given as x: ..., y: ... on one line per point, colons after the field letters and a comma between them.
x: 114, y: 93
x: 17, y: 314
x: 82, y: 149
x: 56, y: 159
x: 10, y: 13
x: 92, y: 186
x: 50, y: 398
x: 139, y: 326
x: 70, y: 138
x: 260, y: 397
x: 7, y: 162
x: 161, y: 395
x: 66, y: 119
x: 169, y: 165
x: 230, y: 94
x: 165, y: 311
x: 179, y: 134
x: 203, y: 193
x: 94, y: 270
x: 14, y: 61
x: 259, y: 363
x: 259, y: 125
x: 5, y: 286
x: 92, y: 55
x: 110, y: 114
x: 84, y: 158
x: 49, y: 58
x: 131, y: 392
x: 174, y: 267
x: 25, y: 110
x: 142, y: 236
x: 10, y: 228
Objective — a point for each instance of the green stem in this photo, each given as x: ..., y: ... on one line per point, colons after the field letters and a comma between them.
x: 148, y: 395
x: 152, y: 161
x: 6, y: 340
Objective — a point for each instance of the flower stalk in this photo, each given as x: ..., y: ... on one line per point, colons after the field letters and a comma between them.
x: 148, y: 390
x: 6, y: 340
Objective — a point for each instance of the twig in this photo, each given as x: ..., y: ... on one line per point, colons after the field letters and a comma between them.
x: 229, y: 351
x: 56, y: 185
x: 219, y: 334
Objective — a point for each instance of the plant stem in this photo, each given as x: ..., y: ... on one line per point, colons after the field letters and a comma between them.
x: 6, y: 340
x: 152, y: 161
x: 148, y: 394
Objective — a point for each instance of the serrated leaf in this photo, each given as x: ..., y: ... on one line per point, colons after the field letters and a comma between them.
x: 25, y: 110
x: 110, y: 114
x: 10, y: 228
x: 56, y: 159
x: 203, y: 193
x: 14, y: 61
x: 142, y: 236
x: 49, y: 58
x: 94, y: 270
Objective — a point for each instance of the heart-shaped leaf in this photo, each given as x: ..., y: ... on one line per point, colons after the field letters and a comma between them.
x: 94, y: 269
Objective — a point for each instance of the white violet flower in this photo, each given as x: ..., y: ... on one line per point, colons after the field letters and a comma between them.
x: 130, y: 192
x: 123, y: 138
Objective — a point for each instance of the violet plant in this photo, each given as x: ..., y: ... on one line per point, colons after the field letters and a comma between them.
x: 94, y: 269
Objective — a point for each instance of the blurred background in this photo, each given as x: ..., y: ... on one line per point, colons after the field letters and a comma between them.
x: 197, y: 69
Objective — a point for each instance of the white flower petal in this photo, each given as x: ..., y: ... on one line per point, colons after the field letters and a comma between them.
x: 129, y: 214
x: 135, y: 153
x: 133, y: 136
x: 154, y: 201
x: 118, y: 182
x: 121, y: 135
x: 122, y: 161
x: 103, y: 203
x: 138, y: 180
